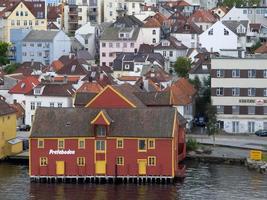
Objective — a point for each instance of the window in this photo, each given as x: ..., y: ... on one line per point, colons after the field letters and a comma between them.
x: 192, y: 36
x: 127, y: 66
x: 18, y: 22
x: 235, y: 73
x: 164, y: 53
x: 120, y: 160
x: 151, y: 160
x: 265, y: 92
x: 141, y: 145
x: 100, y: 145
x: 154, y: 40
x: 132, y: 45
x: 39, y: 104
x: 26, y: 13
x: 40, y: 143
x: 110, y: 13
x: 171, y: 53
x: 60, y: 144
x: 251, y: 92
x: 81, y: 143
x: 59, y: 105
x: 110, y: 55
x: 245, y: 11
x: 220, y: 73
x: 154, y: 32
x: 103, y: 44
x: 251, y: 110
x: 265, y: 110
x: 265, y: 73
x: 118, y: 45
x: 219, y: 91
x: 52, y: 105
x: 25, y: 23
x: 251, y: 73
x: 30, y: 22
x: 235, y: 91
x: 100, y: 131
x: 133, y: 5
x: 225, y: 32
x: 220, y: 109
x: 103, y: 54
x: 151, y: 144
x: 251, y: 127
x: 17, y: 13
x: 43, y: 161
x: 119, y: 143
x: 110, y: 45
x: 32, y: 106
x: 235, y: 110
x: 12, y: 22
x: 210, y: 32
x: 81, y: 161
x: 39, y: 44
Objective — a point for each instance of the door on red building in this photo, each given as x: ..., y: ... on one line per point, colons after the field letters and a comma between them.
x: 142, y: 166
x: 60, y: 167
x: 100, y: 167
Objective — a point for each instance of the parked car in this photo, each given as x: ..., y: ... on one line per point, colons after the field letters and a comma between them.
x: 24, y: 127
x: 262, y: 133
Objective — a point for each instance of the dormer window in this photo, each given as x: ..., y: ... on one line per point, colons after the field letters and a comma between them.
x: 121, y: 35
x: 226, y: 32
x: 101, y: 131
x: 37, y: 91
x: 210, y: 32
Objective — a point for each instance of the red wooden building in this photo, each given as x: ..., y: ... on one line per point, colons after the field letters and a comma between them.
x: 114, y: 136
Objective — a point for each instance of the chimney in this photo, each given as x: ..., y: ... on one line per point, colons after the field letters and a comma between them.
x: 65, y: 79
x: 146, y: 85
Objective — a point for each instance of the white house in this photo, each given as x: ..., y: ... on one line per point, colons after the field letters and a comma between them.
x: 45, y: 46
x: 86, y: 35
x: 171, y: 49
x: 218, y: 37
x: 150, y: 32
x: 48, y: 95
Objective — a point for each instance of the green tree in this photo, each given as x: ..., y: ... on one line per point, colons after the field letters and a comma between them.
x: 238, y: 3
x: 212, y: 126
x: 196, y: 82
x: 4, y: 47
x: 9, y: 69
x: 182, y: 66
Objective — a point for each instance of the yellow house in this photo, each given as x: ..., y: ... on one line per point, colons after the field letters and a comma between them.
x: 9, y: 144
x: 24, y: 15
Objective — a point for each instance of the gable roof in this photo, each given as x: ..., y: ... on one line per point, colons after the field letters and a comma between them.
x: 152, y: 23
x: 232, y: 25
x: 28, y: 68
x: 25, y: 85
x: 90, y: 87
x: 73, y: 66
x: 38, y: 36
x: 201, y: 16
x: 174, y: 44
x: 55, y: 90
x: 185, y: 27
x: 102, y: 118
x: 75, y: 122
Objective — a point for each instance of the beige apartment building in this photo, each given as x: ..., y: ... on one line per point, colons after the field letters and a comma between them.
x: 239, y: 91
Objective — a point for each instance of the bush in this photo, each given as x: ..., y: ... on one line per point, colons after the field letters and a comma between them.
x: 9, y: 69
x: 192, y: 144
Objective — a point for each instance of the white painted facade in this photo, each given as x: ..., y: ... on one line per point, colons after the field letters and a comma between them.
x: 240, y: 123
x: 208, y: 4
x: 217, y: 37
x: 150, y: 35
x: 113, y: 8
x: 43, y: 101
x: 189, y: 40
x: 86, y: 35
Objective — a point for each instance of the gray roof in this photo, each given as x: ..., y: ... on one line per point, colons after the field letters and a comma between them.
x: 8, y: 83
x: 232, y: 25
x: 83, y: 98
x: 38, y: 36
x: 75, y: 122
x: 112, y: 33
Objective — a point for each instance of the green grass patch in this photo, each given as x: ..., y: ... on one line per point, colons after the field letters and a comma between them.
x: 192, y: 144
x: 264, y: 157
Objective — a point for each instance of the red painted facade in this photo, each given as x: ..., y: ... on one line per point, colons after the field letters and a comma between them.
x: 162, y: 152
x: 168, y: 151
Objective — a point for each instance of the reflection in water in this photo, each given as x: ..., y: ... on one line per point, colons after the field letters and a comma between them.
x: 203, y: 181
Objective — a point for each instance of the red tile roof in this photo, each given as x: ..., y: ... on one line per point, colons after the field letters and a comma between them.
x: 25, y: 85
x: 57, y: 65
x: 152, y: 23
x: 182, y: 92
x: 90, y: 87
x: 202, y: 16
x: 262, y: 49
